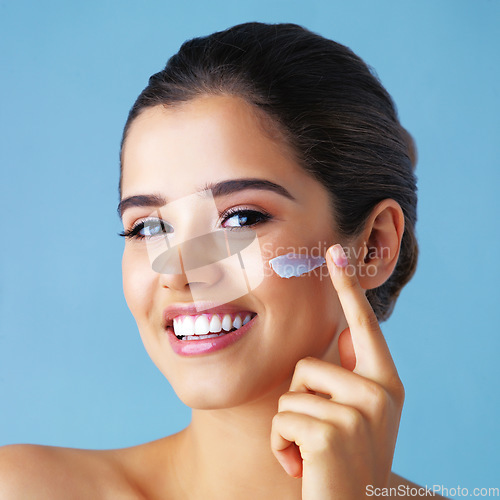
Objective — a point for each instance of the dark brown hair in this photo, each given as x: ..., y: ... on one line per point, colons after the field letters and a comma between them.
x: 333, y: 111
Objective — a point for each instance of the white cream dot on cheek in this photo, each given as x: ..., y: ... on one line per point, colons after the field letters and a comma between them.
x: 295, y: 265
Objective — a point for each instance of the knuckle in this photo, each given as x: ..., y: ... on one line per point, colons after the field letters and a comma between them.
x: 303, y: 362
x: 278, y: 419
x: 283, y: 400
x: 323, y: 436
x: 274, y: 420
x: 301, y: 366
x: 353, y: 421
x: 376, y: 395
x: 398, y: 390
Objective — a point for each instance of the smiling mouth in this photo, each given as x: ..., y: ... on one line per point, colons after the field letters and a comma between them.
x: 206, y: 326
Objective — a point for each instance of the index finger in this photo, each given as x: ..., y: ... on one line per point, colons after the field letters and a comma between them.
x: 373, y: 359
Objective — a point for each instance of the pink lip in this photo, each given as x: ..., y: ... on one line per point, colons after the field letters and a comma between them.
x: 197, y: 347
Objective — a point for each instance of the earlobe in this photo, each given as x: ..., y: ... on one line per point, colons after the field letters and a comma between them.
x: 381, y: 243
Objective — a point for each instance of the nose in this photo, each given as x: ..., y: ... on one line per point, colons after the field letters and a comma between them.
x: 209, y: 266
x: 188, y: 265
x: 176, y: 279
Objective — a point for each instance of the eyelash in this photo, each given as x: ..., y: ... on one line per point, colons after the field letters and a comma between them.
x: 134, y: 231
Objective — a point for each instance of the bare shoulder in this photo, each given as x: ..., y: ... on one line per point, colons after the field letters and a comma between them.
x: 405, y: 488
x: 43, y: 472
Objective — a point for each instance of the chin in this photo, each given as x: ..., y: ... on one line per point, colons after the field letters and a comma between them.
x: 215, y: 396
x: 210, y: 399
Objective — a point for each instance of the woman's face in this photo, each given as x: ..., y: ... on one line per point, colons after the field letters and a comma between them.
x: 176, y: 152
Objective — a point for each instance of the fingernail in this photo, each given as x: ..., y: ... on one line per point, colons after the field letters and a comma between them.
x: 339, y: 256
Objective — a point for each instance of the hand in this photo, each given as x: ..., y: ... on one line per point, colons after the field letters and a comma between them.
x: 342, y: 444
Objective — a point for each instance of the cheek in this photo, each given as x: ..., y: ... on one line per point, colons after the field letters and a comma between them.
x: 314, y: 289
x: 302, y: 304
x: 138, y: 284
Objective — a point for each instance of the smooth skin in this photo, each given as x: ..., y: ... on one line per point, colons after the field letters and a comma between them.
x: 307, y: 404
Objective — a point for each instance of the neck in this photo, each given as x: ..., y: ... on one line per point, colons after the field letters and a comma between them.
x: 229, y: 455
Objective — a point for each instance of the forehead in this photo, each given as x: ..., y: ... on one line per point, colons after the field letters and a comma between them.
x: 204, y: 139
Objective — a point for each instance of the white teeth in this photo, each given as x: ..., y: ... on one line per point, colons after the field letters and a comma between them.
x: 177, y: 326
x: 187, y: 326
x: 215, y: 324
x: 237, y: 322
x: 190, y: 326
x: 201, y: 326
x: 227, y: 324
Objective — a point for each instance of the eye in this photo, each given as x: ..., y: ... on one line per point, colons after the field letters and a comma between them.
x: 239, y: 218
x: 148, y: 228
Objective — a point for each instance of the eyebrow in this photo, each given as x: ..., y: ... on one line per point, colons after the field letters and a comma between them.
x: 218, y: 189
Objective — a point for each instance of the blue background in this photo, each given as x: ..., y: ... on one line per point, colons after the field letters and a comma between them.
x: 73, y: 371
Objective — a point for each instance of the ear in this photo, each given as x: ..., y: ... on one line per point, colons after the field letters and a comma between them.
x: 377, y: 248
